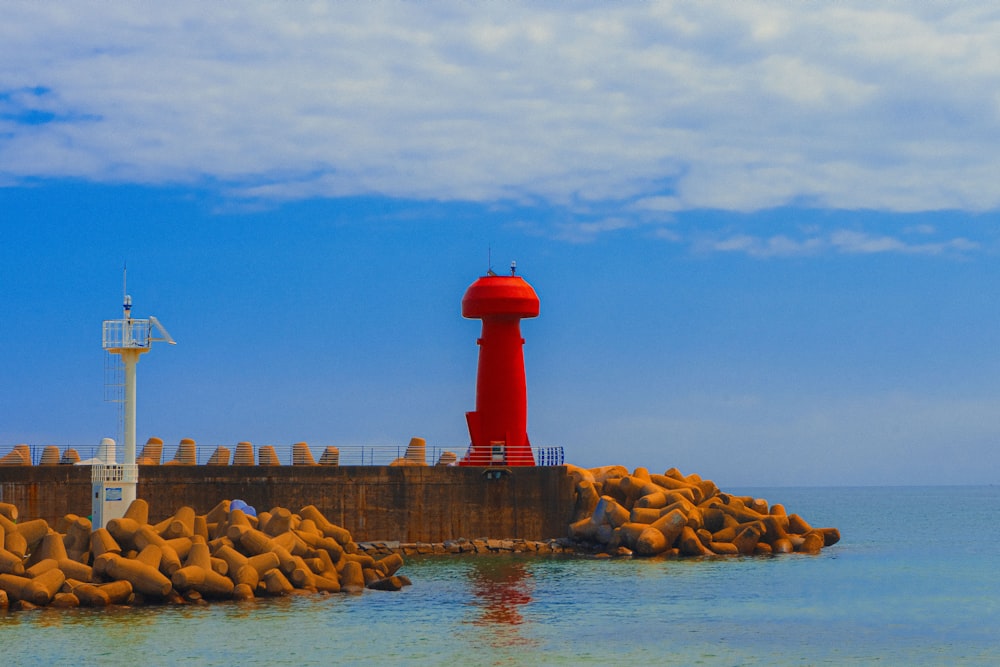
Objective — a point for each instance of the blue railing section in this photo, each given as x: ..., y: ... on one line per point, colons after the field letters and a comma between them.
x: 350, y: 455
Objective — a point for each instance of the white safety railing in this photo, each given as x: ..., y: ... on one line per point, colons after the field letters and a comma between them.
x: 497, y: 455
x: 122, y: 334
x: 110, y: 472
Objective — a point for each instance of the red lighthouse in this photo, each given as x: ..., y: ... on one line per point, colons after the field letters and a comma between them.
x: 498, y: 426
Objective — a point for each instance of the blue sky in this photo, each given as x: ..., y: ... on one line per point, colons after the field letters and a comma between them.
x: 764, y: 235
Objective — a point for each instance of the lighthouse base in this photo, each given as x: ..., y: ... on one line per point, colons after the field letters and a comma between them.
x: 498, y: 453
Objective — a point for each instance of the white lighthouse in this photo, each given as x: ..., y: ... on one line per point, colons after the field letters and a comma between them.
x: 114, y: 484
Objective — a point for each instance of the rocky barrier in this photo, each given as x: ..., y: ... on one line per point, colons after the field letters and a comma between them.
x: 229, y: 553
x: 643, y: 514
x: 618, y: 513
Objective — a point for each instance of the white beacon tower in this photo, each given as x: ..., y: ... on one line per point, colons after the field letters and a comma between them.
x: 114, y: 484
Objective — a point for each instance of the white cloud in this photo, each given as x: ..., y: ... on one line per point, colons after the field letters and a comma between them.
x: 844, y: 241
x: 855, y: 242
x: 658, y: 204
x: 582, y: 231
x: 674, y: 106
x: 774, y: 246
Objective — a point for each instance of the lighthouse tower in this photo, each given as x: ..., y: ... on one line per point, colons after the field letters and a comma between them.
x: 114, y: 484
x: 498, y: 426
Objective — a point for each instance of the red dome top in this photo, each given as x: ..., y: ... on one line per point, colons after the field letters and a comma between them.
x: 500, y: 295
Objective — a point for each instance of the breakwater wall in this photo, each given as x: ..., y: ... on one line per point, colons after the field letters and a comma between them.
x: 375, y: 503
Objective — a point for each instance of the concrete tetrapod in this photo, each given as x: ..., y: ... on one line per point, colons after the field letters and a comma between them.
x: 330, y: 456
x: 9, y: 511
x: 186, y: 557
x: 672, y: 514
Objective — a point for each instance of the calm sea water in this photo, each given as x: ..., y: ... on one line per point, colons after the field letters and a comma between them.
x: 914, y: 581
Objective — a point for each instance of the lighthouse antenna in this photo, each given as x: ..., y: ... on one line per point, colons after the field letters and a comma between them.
x: 126, y: 299
x: 489, y: 260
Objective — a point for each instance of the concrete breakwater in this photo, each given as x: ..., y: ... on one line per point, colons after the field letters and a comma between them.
x: 623, y: 513
x: 430, y: 504
x: 441, y: 509
x: 226, y: 553
x: 620, y: 513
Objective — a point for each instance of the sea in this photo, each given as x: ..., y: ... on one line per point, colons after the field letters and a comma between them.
x: 915, y: 580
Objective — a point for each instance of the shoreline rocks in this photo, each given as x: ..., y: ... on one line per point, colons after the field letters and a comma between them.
x: 644, y: 514
x: 225, y: 554
x: 471, y: 546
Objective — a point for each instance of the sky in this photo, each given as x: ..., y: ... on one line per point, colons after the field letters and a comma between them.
x: 764, y: 235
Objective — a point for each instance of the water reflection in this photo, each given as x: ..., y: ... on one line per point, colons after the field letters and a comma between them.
x: 501, y: 588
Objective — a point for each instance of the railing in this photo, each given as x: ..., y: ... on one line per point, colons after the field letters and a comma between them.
x: 118, y: 334
x: 497, y: 455
x: 114, y: 473
x: 350, y: 455
x: 549, y: 456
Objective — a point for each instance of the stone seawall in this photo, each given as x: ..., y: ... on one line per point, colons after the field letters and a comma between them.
x: 375, y: 503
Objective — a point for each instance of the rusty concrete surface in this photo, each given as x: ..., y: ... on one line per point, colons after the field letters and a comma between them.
x: 408, y: 504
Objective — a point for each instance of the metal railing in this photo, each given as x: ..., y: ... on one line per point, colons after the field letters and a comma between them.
x: 120, y: 334
x: 497, y: 455
x: 350, y: 455
x: 114, y: 473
